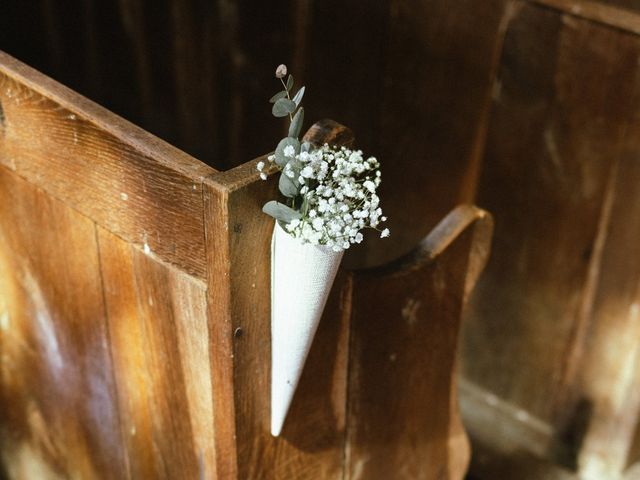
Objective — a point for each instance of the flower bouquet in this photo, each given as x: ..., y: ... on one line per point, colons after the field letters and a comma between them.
x: 330, y: 197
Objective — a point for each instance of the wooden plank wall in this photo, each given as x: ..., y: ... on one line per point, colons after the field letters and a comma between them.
x: 551, y: 340
x: 105, y: 368
x: 528, y: 107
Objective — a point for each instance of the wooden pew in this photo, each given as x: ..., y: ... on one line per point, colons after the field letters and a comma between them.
x: 134, y: 317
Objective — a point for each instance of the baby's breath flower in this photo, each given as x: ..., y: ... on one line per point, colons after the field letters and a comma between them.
x: 385, y: 233
x: 263, y: 175
x: 260, y: 166
x: 338, y: 190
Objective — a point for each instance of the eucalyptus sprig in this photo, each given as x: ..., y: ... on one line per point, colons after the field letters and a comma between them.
x: 330, y: 192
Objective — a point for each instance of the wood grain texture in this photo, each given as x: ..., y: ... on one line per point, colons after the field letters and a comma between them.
x: 551, y: 331
x: 405, y: 324
x: 610, y: 373
x: 159, y: 345
x: 58, y: 413
x: 123, y: 178
x: 550, y: 145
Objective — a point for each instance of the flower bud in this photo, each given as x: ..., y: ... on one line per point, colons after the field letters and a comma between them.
x: 281, y: 71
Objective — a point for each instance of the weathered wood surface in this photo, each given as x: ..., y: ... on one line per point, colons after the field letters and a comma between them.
x: 124, y: 358
x: 118, y: 175
x: 58, y: 414
x: 160, y: 350
x: 403, y: 411
x: 551, y: 341
x: 105, y: 362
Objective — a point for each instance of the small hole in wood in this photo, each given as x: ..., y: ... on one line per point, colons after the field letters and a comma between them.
x: 1, y: 119
x: 238, y: 332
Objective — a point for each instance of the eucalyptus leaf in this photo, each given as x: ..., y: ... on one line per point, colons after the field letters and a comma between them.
x: 283, y: 107
x: 290, y: 82
x: 298, y: 97
x: 278, y: 96
x: 287, y: 186
x: 281, y: 160
x: 305, y: 147
x: 280, y: 211
x: 296, y: 123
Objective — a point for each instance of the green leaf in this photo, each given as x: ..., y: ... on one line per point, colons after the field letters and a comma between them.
x: 287, y: 186
x: 283, y: 107
x: 281, y: 160
x: 289, y: 82
x: 296, y: 123
x: 280, y: 211
x: 278, y: 96
x: 298, y: 97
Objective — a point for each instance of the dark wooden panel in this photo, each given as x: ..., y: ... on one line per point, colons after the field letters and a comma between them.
x: 403, y: 420
x: 438, y: 62
x: 553, y: 140
x: 58, y: 413
x: 123, y: 178
x: 159, y: 344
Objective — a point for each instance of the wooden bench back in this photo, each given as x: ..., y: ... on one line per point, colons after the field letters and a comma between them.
x: 134, y: 317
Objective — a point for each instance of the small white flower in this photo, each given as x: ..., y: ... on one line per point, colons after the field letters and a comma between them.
x: 263, y: 175
x: 260, y: 166
x: 271, y: 158
x: 369, y: 185
x: 289, y: 151
x: 318, y: 223
x: 385, y: 233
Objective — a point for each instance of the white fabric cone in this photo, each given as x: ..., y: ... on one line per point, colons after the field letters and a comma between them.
x: 301, y: 279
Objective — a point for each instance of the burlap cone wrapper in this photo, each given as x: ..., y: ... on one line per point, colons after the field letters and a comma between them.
x: 301, y: 279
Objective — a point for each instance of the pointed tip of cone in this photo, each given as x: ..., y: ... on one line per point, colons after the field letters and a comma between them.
x: 276, y: 426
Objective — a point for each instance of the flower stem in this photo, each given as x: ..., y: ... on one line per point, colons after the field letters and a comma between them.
x: 289, y: 97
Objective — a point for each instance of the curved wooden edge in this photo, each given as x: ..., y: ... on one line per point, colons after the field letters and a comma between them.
x: 441, y: 237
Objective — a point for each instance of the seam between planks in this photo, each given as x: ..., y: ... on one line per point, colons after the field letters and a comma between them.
x: 105, y: 306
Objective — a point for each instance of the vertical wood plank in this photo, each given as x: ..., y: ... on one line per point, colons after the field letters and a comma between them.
x: 159, y: 344
x: 59, y: 413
